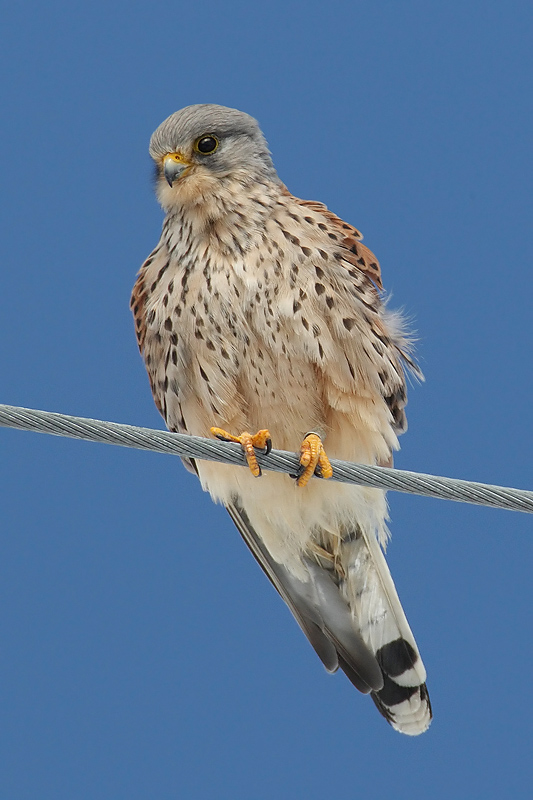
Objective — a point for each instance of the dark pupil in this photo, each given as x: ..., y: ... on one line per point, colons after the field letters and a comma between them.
x: 207, y: 144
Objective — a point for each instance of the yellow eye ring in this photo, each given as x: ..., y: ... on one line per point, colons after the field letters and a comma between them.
x: 206, y: 145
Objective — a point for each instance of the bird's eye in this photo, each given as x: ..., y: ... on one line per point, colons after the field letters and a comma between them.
x: 206, y: 145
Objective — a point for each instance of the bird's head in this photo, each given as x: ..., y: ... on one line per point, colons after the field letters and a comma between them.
x: 197, y: 147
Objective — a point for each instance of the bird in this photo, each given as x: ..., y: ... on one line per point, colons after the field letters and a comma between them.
x: 261, y: 319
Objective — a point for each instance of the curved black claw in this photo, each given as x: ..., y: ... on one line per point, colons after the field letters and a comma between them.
x: 297, y: 474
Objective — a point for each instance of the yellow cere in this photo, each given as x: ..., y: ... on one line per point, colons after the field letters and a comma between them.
x: 177, y: 157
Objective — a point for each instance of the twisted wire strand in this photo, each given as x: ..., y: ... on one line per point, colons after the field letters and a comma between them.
x: 94, y: 430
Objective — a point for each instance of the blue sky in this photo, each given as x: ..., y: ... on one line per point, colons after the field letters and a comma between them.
x: 144, y: 655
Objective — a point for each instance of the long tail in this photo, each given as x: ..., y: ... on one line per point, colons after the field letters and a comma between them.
x: 370, y: 591
x: 351, y: 614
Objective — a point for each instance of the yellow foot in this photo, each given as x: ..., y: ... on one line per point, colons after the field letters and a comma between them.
x: 313, y: 459
x: 261, y: 440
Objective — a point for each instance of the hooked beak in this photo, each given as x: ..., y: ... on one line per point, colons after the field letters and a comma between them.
x: 174, y: 165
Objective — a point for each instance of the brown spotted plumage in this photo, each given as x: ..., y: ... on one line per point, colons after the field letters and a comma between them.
x: 259, y: 310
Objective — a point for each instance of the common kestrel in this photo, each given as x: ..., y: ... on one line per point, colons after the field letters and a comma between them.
x: 260, y: 318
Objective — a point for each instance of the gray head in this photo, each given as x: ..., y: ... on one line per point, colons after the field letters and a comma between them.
x: 218, y: 140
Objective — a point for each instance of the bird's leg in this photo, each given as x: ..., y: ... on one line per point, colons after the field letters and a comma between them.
x: 260, y: 440
x: 313, y: 459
